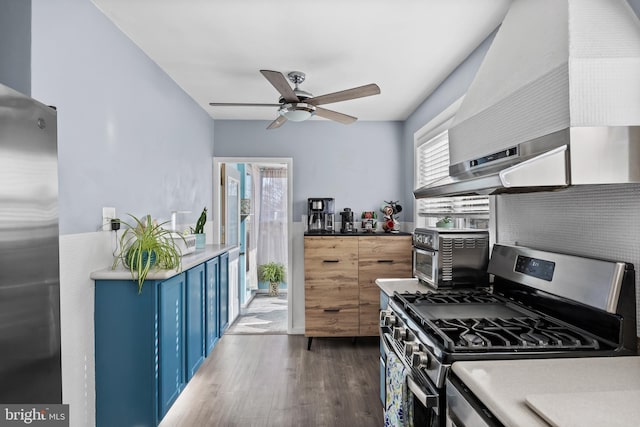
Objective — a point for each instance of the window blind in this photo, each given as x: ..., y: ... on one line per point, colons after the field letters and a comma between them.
x: 432, y: 163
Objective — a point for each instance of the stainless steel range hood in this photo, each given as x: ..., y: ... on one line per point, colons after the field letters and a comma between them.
x: 556, y: 102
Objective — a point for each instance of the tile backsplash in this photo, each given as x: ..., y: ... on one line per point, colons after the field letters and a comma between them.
x: 600, y: 221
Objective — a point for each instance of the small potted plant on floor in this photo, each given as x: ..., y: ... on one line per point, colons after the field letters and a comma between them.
x: 274, y: 273
x: 144, y: 245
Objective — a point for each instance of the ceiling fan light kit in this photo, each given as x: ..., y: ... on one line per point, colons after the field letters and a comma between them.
x: 297, y: 111
x: 298, y: 105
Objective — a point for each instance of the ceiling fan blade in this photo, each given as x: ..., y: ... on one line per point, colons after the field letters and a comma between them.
x: 240, y: 104
x: 345, y: 95
x: 279, y: 81
x: 334, y: 115
x: 277, y: 122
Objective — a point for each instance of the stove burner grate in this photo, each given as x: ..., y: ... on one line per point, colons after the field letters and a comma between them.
x: 521, y: 333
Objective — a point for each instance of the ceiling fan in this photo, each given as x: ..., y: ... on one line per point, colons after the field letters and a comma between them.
x: 298, y: 105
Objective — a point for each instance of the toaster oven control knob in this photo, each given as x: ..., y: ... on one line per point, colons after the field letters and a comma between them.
x: 399, y: 333
x: 420, y: 359
x: 411, y: 348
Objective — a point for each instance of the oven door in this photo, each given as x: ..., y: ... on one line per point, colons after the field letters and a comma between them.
x: 425, y: 265
x: 425, y: 409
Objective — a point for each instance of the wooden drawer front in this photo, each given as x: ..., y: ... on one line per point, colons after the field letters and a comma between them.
x: 331, y: 259
x: 321, y: 295
x: 373, y: 249
x: 331, y: 322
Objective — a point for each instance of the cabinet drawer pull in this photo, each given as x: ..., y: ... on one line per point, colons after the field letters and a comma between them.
x: 332, y: 310
x: 386, y: 260
x: 330, y: 260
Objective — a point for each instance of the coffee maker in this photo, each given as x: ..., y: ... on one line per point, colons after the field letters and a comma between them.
x: 320, y: 215
x: 347, y: 221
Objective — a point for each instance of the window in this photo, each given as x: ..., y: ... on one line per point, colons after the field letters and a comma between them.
x: 431, y: 164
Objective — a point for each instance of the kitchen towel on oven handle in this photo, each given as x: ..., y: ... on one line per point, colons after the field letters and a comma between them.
x: 399, y: 403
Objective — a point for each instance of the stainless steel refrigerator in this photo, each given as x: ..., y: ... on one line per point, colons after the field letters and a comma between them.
x: 30, y: 369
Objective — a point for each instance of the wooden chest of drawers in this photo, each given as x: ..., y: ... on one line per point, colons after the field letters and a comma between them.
x: 341, y: 297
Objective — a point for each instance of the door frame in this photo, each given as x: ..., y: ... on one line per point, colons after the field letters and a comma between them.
x: 217, y: 161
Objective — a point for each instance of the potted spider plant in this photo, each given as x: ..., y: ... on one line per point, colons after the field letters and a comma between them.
x: 274, y: 273
x: 146, y: 245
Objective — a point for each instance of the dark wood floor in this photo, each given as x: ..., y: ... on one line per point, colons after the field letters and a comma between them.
x: 272, y: 380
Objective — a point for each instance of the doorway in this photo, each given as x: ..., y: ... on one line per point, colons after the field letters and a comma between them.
x: 265, y: 221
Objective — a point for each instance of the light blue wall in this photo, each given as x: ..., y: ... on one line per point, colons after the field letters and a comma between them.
x: 15, y: 44
x: 128, y: 136
x: 452, y: 88
x: 358, y: 164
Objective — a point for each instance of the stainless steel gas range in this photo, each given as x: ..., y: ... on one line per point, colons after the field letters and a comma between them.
x: 541, y: 305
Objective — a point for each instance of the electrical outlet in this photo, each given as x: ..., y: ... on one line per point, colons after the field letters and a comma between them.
x: 107, y: 215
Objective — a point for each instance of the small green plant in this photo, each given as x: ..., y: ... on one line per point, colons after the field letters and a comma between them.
x: 446, y: 222
x: 199, y: 229
x: 274, y: 273
x: 146, y: 245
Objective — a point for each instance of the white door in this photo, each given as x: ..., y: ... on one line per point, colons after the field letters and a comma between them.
x: 231, y: 235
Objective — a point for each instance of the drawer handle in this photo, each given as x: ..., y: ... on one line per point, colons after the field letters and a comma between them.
x: 386, y: 260
x: 330, y: 260
x: 332, y: 310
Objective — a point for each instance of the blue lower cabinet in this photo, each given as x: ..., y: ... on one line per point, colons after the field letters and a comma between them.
x: 195, y: 317
x: 223, y: 319
x: 148, y: 345
x: 212, y: 271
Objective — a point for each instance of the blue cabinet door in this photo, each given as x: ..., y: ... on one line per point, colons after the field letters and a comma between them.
x: 125, y: 353
x: 211, y: 298
x: 171, y: 365
x: 194, y: 327
x: 223, y: 319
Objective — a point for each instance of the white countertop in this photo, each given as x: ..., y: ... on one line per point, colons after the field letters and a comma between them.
x: 388, y: 286
x: 188, y: 261
x: 566, y: 392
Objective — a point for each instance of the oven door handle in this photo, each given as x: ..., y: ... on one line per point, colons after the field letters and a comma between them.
x: 385, y: 342
x: 429, y: 398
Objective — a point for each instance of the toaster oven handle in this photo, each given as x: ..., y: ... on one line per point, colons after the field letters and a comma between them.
x: 429, y: 252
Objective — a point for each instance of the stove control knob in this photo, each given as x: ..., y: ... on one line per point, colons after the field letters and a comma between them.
x: 399, y: 333
x: 420, y: 359
x: 390, y: 320
x: 411, y: 348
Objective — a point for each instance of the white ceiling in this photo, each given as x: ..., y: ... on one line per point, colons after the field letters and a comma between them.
x: 214, y: 49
